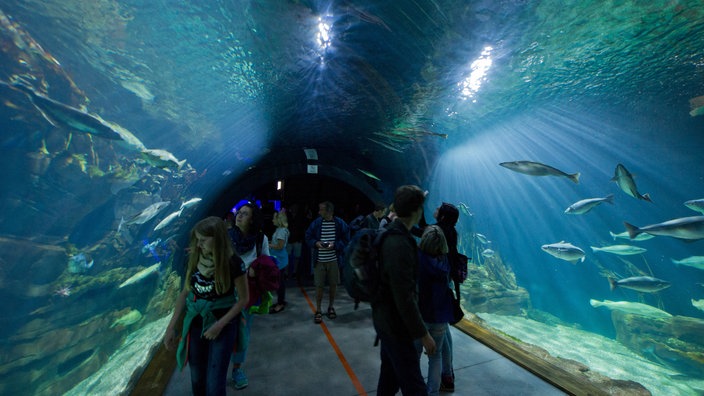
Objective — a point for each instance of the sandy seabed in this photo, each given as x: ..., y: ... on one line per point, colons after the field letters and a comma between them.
x: 601, y: 354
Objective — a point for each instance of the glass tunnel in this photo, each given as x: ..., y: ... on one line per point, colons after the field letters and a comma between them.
x: 569, y: 133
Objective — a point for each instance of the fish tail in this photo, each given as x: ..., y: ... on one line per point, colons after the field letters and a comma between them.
x: 646, y: 197
x: 609, y: 198
x: 574, y: 177
x: 594, y: 248
x: 595, y: 303
x: 633, y: 231
x: 612, y: 283
x: 612, y: 235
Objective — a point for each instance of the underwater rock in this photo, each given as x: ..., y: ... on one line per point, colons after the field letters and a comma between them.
x: 675, y: 342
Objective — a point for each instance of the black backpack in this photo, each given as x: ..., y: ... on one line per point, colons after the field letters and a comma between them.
x: 357, y: 224
x: 361, y: 266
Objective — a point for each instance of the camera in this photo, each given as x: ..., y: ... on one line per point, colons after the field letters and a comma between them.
x: 325, y: 244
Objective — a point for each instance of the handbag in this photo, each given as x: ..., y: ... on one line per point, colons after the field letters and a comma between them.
x: 457, y: 313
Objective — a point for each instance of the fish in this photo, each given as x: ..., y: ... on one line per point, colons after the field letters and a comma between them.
x: 56, y: 113
x: 369, y: 174
x: 698, y: 304
x: 482, y: 239
x: 139, y: 276
x: 565, y: 251
x: 190, y: 202
x: 465, y: 209
x: 148, y: 213
x: 538, y: 169
x: 697, y: 106
x: 625, y: 181
x: 149, y: 247
x: 78, y: 264
x: 127, y: 319
x: 696, y: 205
x: 168, y: 219
x: 688, y: 228
x: 621, y: 250
x: 585, y: 205
x: 631, y: 308
x: 692, y: 261
x: 488, y: 253
x: 119, y: 226
x: 162, y: 159
x: 624, y: 235
x: 644, y: 284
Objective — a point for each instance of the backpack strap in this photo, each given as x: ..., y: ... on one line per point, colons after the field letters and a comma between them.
x: 260, y: 243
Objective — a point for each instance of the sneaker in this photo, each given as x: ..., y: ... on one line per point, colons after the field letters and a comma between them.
x: 447, y: 384
x: 239, y: 378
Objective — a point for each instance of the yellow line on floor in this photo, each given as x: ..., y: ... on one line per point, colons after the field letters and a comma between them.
x: 340, y: 355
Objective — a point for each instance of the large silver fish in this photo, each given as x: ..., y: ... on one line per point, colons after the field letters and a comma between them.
x: 690, y: 228
x: 56, y: 112
x: 585, y: 205
x: 692, y: 261
x: 153, y: 269
x: 632, y: 308
x: 565, y: 251
x: 168, y: 219
x: 625, y: 181
x: 698, y: 304
x: 644, y: 284
x: 538, y: 169
x: 621, y: 250
x: 624, y: 235
x: 148, y: 213
x: 190, y: 202
x: 162, y: 159
x: 696, y: 205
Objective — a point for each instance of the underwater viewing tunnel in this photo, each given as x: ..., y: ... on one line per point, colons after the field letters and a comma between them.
x: 568, y: 133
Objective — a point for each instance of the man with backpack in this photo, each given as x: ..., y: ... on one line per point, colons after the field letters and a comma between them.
x: 395, y: 312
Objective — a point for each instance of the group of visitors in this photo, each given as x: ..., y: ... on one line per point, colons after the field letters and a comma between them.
x: 411, y: 315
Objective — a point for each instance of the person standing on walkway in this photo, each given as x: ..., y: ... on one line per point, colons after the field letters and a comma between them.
x: 249, y: 242
x: 434, y: 298
x: 397, y: 319
x: 213, y: 297
x: 277, y: 247
x: 327, y: 236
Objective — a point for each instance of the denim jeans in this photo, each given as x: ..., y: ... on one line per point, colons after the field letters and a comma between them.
x: 208, y: 359
x: 242, y: 341
x: 447, y: 370
x: 439, y: 333
x: 400, y: 368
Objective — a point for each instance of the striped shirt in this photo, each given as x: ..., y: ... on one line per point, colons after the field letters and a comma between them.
x: 327, y: 234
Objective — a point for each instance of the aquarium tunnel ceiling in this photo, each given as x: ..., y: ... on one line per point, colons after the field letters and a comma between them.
x: 124, y: 122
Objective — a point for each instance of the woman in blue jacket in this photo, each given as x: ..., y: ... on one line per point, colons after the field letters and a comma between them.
x: 434, y: 297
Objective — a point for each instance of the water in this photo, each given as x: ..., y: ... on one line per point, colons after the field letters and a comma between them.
x: 436, y: 93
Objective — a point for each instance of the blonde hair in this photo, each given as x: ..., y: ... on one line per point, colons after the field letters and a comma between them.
x: 214, y: 227
x: 280, y: 219
x: 433, y: 241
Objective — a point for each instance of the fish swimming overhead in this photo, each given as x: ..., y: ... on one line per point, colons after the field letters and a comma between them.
x: 696, y: 204
x: 689, y: 228
x: 644, y: 284
x: 565, y: 251
x: 625, y: 181
x: 168, y: 219
x: 693, y: 261
x: 631, y: 308
x: 190, y: 202
x: 585, y: 205
x: 621, y: 250
x: 538, y: 169
x: 488, y: 253
x: 148, y: 213
x: 624, y: 235
x: 162, y: 159
x: 153, y: 269
x: 56, y: 112
x: 698, y: 304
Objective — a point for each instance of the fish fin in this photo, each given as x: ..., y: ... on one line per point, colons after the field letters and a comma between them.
x: 612, y: 283
x: 575, y: 177
x: 582, y: 259
x: 609, y: 198
x: 633, y: 231
x: 612, y: 235
x: 646, y: 197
